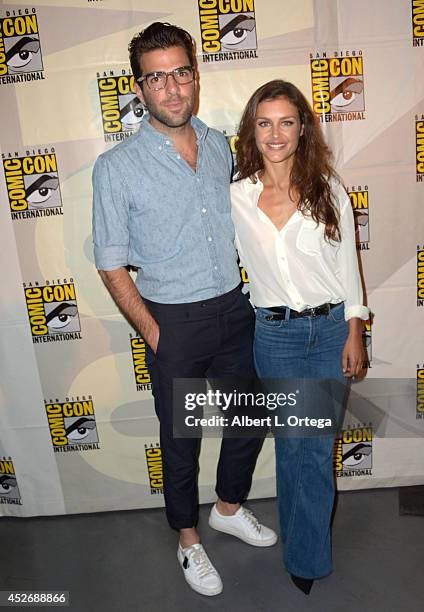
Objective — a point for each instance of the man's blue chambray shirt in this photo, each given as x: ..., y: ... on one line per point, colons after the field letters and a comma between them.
x: 152, y: 211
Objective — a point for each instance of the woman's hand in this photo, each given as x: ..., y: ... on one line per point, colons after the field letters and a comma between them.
x: 353, y: 353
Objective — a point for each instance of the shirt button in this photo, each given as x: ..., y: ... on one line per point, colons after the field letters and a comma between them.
x: 203, y: 210
x: 167, y: 142
x: 178, y: 156
x: 160, y: 147
x: 215, y: 267
x: 198, y: 180
x: 210, y: 238
x: 282, y: 257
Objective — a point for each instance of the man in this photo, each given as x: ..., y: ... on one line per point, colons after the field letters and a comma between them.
x: 161, y: 204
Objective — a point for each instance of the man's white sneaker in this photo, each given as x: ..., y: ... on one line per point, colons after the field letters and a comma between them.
x: 244, y: 525
x: 198, y: 570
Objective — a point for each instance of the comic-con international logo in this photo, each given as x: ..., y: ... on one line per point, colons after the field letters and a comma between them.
x: 154, y: 467
x: 72, y: 424
x: 359, y: 199
x: 141, y: 371
x: 32, y: 183
x: 9, y: 490
x: 120, y: 108
x: 243, y: 275
x: 338, y: 86
x: 232, y: 143
x: 418, y: 23
x: 20, y: 48
x: 419, y: 147
x: 420, y: 276
x: 367, y: 341
x: 53, y: 311
x: 228, y: 30
x: 420, y: 392
x: 353, y: 451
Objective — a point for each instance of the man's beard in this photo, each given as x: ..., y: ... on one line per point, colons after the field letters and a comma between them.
x: 167, y: 118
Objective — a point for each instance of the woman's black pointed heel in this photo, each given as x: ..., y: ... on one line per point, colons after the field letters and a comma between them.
x: 304, y: 584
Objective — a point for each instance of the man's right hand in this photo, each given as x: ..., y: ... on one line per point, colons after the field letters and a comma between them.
x: 123, y: 290
x: 155, y: 340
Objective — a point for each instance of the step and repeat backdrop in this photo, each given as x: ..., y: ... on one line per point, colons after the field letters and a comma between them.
x: 78, y: 431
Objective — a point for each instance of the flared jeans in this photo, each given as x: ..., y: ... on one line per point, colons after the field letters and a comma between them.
x: 307, y: 348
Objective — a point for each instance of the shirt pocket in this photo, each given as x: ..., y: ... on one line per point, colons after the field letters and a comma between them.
x: 310, y: 237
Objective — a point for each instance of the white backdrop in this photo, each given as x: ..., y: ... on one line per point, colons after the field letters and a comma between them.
x: 77, y: 426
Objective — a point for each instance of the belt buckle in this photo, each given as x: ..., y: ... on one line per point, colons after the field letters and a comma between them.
x: 274, y: 317
x: 326, y: 308
x: 313, y: 312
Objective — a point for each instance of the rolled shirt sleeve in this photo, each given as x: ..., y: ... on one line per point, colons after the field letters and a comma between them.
x: 348, y: 261
x: 110, y: 216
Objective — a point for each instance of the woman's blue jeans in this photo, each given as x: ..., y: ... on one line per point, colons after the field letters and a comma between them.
x: 305, y: 347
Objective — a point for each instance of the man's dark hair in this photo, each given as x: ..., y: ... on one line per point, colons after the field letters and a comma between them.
x: 159, y: 36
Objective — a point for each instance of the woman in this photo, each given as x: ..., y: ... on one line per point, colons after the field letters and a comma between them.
x: 296, y: 240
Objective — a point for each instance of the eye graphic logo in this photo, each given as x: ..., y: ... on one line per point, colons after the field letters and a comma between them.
x: 33, y: 185
x: 72, y: 425
x: 346, y: 92
x: 53, y: 312
x: 9, y: 490
x: 141, y: 371
x: 228, y: 29
x: 20, y: 48
x: 338, y: 86
x: 237, y: 31
x: 154, y: 467
x: 353, y: 452
x: 359, y: 200
x: 417, y: 23
x: 121, y: 110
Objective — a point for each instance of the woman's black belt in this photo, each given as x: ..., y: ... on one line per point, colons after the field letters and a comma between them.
x: 281, y: 312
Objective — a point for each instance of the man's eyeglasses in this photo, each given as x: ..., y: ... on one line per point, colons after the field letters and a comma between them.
x: 158, y: 80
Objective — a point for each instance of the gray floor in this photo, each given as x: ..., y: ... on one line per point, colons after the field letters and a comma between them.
x: 127, y: 561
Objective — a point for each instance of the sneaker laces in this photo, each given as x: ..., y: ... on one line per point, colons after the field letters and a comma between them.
x: 203, y: 566
x: 251, y: 518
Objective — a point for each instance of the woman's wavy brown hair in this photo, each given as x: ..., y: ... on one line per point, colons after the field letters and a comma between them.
x: 312, y: 169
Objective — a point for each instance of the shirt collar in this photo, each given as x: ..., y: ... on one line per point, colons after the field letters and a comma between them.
x: 252, y: 190
x: 149, y: 132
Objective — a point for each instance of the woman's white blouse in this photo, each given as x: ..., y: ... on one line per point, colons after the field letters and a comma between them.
x: 296, y: 266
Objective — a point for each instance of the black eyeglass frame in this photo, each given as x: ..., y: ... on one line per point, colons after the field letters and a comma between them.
x: 174, y: 73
